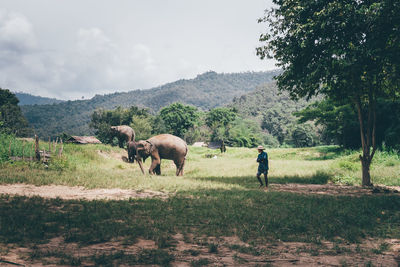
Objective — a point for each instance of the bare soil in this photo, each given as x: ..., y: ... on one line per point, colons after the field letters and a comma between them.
x: 230, y: 251
x: 77, y: 192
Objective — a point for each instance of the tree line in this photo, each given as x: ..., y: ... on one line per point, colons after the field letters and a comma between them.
x: 185, y: 121
x: 206, y: 91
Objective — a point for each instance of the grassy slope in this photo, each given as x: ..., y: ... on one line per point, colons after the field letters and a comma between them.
x: 217, y: 197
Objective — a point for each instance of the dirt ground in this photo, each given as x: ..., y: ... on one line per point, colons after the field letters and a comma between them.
x: 67, y: 192
x: 230, y: 251
x: 78, y: 192
x: 191, y: 250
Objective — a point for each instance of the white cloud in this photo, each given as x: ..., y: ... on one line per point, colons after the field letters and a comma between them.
x: 16, y: 32
x: 93, y: 65
x: 66, y: 49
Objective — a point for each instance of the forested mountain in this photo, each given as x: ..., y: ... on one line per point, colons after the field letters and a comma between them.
x: 274, y: 112
x: 264, y: 98
x: 206, y: 91
x: 28, y: 99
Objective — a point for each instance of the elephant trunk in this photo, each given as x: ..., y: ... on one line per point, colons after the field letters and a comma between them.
x: 139, y: 161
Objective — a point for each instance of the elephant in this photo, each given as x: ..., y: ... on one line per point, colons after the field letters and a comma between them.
x: 163, y: 146
x: 131, y: 151
x: 123, y: 133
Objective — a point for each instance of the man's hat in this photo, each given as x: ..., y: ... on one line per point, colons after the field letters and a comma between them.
x: 260, y: 148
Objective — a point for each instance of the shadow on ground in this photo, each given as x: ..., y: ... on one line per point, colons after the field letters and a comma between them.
x: 251, y: 181
x: 327, y: 153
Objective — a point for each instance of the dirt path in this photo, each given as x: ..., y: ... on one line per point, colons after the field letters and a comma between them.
x: 67, y: 192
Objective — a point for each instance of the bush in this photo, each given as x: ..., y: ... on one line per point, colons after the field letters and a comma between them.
x: 11, y: 146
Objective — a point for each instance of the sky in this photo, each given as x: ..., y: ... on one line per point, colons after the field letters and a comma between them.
x: 73, y: 49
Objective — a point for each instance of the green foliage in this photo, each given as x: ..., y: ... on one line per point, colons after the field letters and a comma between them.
x: 102, y: 120
x: 245, y: 132
x: 361, y: 60
x: 219, y: 120
x: 142, y: 125
x: 220, y: 117
x: 5, y: 140
x: 339, y: 122
x: 273, y: 111
x: 178, y: 118
x: 10, y: 145
x: 303, y: 136
x: 340, y: 126
x: 342, y: 49
x: 11, y: 118
x: 206, y: 91
x: 197, y: 134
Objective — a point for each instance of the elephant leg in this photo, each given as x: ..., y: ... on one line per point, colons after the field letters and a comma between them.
x: 154, y: 163
x: 179, y: 167
x: 158, y: 169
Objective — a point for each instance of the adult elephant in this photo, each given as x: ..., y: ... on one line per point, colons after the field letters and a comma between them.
x: 163, y: 146
x: 123, y: 133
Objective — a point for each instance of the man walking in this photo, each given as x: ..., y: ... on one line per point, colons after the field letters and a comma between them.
x: 262, y: 160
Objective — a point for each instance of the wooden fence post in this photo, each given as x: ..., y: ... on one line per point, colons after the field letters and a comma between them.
x: 61, y: 149
x: 55, y: 145
x: 31, y: 152
x: 23, y: 150
x: 9, y: 149
x: 49, y: 145
x: 37, y: 153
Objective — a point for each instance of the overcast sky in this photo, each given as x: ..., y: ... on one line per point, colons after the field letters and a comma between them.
x: 73, y: 48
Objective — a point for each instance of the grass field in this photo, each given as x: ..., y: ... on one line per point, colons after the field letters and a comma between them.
x: 218, y: 199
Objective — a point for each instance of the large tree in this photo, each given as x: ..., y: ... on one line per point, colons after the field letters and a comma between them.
x: 219, y: 120
x: 11, y: 119
x: 348, y: 50
x: 178, y: 118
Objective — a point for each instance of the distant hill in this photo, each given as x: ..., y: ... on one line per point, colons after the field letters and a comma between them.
x: 273, y: 110
x: 28, y: 99
x: 206, y: 91
x: 264, y: 98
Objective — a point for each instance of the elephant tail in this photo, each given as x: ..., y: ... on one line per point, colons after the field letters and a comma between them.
x: 180, y: 171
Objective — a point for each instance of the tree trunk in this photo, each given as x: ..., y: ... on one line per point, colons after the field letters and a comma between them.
x: 366, y: 176
x: 367, y: 139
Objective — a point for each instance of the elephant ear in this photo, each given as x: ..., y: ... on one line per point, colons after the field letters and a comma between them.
x: 139, y: 146
x: 149, y: 147
x: 141, y: 150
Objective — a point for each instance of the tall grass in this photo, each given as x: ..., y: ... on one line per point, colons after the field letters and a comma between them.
x: 10, y: 146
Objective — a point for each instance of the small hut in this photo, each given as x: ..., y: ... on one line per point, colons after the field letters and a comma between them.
x: 199, y: 144
x: 83, y: 140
